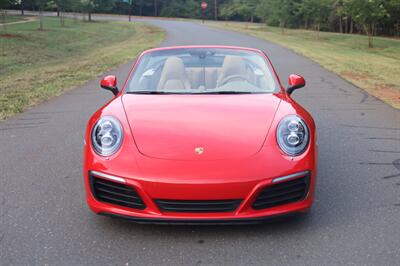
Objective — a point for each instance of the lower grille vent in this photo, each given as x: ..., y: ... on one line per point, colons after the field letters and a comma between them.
x: 116, y: 193
x: 198, y: 205
x: 282, y: 193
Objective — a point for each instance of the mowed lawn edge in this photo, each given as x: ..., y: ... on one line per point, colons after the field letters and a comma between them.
x: 347, y: 55
x: 38, y: 65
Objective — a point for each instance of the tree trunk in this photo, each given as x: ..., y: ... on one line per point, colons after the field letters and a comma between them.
x: 90, y: 16
x: 141, y: 8
x: 155, y: 8
x: 370, y: 32
x: 318, y: 27
x: 40, y: 18
x: 62, y: 20
x: 282, y: 26
x: 351, y: 25
x: 215, y: 9
x: 22, y: 8
x: 59, y: 15
x: 370, y: 41
x: 306, y: 24
x: 340, y: 25
x: 346, y: 29
x: 4, y: 19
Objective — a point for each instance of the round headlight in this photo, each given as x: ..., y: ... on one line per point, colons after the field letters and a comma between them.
x: 292, y: 135
x: 107, y: 136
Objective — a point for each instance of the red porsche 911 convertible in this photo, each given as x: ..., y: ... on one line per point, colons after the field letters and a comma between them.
x: 201, y: 134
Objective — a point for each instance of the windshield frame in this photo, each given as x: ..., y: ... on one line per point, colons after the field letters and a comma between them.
x: 278, y: 87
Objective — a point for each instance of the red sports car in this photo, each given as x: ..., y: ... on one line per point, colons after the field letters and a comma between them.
x: 201, y: 134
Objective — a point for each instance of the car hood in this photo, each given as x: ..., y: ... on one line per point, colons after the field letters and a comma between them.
x: 200, y: 127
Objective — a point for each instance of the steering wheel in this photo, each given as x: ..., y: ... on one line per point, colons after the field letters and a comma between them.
x: 238, y: 77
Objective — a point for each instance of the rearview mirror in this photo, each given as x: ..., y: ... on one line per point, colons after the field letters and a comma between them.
x: 295, y: 82
x: 110, y: 83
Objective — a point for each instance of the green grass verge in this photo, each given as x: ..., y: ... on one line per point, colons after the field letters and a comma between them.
x: 11, y: 18
x: 373, y: 70
x: 37, y: 65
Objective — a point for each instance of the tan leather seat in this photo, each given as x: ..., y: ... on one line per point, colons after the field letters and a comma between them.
x: 173, y: 76
x: 234, y: 66
x: 203, y: 77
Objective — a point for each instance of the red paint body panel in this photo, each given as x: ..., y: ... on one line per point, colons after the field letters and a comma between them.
x: 241, y: 155
x: 230, y: 126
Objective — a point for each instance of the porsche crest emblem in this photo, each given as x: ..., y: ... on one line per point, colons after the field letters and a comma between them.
x: 199, y: 150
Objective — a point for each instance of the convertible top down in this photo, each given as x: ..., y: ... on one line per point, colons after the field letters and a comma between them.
x: 200, y: 134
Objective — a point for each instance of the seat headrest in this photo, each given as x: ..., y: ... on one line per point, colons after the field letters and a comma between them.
x: 233, y: 65
x: 173, y: 70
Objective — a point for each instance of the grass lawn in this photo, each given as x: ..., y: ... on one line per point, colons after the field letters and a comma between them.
x: 37, y: 65
x: 11, y: 18
x: 374, y: 70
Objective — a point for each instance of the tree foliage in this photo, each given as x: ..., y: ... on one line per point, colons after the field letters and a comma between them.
x: 372, y: 17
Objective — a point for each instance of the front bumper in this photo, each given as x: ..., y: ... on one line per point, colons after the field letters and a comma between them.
x: 243, y: 214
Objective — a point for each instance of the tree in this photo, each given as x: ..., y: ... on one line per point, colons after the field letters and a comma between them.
x: 277, y: 10
x: 340, y: 12
x: 215, y: 9
x: 226, y: 11
x: 369, y: 13
x: 393, y: 8
x: 175, y: 8
x: 316, y: 11
x: 61, y: 6
x: 41, y: 4
x: 75, y: 6
x: 240, y: 8
x: 87, y: 6
x: 172, y: 8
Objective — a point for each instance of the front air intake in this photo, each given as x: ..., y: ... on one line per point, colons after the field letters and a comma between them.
x: 198, y: 205
x: 282, y: 193
x: 115, y: 193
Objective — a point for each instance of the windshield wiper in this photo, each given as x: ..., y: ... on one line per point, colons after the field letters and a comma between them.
x: 225, y: 92
x: 148, y: 92
x: 192, y: 92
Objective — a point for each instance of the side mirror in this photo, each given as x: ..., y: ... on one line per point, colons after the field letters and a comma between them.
x: 110, y: 83
x: 295, y: 82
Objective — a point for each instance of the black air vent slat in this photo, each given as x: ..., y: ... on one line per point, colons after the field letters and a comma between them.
x: 120, y: 201
x: 279, y: 192
x: 282, y: 193
x: 116, y: 186
x: 198, y: 209
x: 116, y: 193
x: 279, y: 200
x: 286, y: 185
x: 197, y: 205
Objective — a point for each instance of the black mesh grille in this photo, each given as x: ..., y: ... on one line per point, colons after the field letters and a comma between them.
x: 198, y: 205
x: 282, y: 193
x: 116, y: 193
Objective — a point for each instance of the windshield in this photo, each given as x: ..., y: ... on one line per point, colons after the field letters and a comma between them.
x: 202, y: 71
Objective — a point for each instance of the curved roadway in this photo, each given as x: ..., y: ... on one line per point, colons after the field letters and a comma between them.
x: 355, y: 220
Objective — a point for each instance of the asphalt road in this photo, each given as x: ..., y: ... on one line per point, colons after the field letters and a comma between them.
x: 355, y: 220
